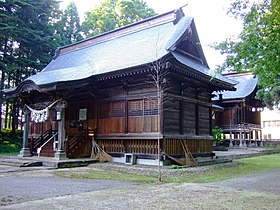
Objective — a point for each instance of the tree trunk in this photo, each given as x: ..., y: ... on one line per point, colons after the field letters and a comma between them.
x: 14, y: 118
x: 7, y: 114
x: 2, y: 83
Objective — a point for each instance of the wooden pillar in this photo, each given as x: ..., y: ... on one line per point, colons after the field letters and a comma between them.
x: 254, y: 138
x: 60, y: 153
x: 257, y: 137
x: 250, y: 138
x: 25, y: 151
x: 240, y: 139
x: 230, y: 139
x: 261, y: 142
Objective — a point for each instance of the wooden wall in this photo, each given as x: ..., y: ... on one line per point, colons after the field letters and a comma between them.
x: 196, y: 146
x: 130, y: 111
x: 135, y: 146
x: 72, y: 124
x: 186, y: 111
x: 111, y: 117
x: 237, y: 114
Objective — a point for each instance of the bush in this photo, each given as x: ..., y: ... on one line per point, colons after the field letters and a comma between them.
x: 217, y: 134
x: 8, y: 143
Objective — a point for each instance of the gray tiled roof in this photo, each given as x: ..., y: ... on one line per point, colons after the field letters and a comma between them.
x: 124, y: 48
x: 201, y: 68
x: 247, y: 83
x: 138, y: 48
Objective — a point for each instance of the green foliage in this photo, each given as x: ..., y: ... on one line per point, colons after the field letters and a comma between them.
x: 10, y: 144
x: 217, y: 134
x: 257, y: 49
x: 68, y: 29
x: 26, y: 43
x: 112, y: 14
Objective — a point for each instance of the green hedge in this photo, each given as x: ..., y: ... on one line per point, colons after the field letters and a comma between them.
x: 9, y: 144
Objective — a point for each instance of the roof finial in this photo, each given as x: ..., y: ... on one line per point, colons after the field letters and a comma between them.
x: 179, y: 14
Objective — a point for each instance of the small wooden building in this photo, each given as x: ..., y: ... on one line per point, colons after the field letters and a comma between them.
x: 125, y: 89
x: 240, y: 119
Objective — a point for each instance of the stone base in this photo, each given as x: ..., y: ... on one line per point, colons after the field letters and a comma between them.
x: 24, y: 152
x: 60, y: 155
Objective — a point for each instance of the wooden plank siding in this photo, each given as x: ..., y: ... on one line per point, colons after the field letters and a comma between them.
x: 187, y: 116
x: 111, y: 117
x: 196, y: 146
x: 204, y: 121
x: 189, y: 120
x: 135, y: 146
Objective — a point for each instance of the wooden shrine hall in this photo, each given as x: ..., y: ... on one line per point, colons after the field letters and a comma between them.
x: 129, y: 91
x: 240, y: 119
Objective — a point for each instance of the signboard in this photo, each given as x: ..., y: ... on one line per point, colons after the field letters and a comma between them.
x: 83, y: 114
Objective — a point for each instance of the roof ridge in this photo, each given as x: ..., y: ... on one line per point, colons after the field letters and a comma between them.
x: 171, y: 16
x: 237, y: 74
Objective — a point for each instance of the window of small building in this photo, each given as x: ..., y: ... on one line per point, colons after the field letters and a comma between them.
x: 143, y: 115
x: 135, y: 116
x: 151, y: 113
x: 271, y: 123
x: 111, y: 117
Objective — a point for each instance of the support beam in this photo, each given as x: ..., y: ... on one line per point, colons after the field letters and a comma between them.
x: 60, y: 153
x: 250, y: 138
x: 25, y: 151
x: 230, y: 139
x: 261, y: 142
x: 240, y: 139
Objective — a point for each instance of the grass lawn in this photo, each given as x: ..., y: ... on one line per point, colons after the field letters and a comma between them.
x: 245, y: 166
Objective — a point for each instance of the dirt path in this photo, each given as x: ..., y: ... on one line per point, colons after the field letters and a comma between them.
x: 59, y: 193
x: 266, y: 182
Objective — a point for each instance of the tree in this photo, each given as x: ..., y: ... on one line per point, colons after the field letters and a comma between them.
x: 257, y: 49
x: 68, y: 28
x: 26, y: 42
x: 112, y: 14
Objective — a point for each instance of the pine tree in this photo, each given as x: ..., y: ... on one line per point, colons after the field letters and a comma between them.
x: 68, y: 28
x: 26, y: 38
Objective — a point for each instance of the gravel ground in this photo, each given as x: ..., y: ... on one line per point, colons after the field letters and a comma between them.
x: 160, y: 196
x: 153, y: 170
x: 258, y: 191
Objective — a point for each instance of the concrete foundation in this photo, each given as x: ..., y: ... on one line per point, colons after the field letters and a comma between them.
x: 24, y: 152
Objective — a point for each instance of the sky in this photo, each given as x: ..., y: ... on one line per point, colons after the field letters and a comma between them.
x: 210, y: 17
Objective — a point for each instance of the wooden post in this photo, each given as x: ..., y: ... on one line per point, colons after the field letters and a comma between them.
x: 250, y: 138
x: 60, y: 153
x: 25, y: 151
x: 240, y: 139
x: 261, y: 142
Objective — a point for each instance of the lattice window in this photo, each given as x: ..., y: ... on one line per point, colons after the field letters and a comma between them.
x: 118, y: 109
x: 135, y: 108
x: 151, y: 106
x: 104, y: 110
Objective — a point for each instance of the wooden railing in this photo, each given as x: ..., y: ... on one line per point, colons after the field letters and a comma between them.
x: 74, y: 145
x: 241, y: 126
x: 39, y: 141
x: 46, y: 142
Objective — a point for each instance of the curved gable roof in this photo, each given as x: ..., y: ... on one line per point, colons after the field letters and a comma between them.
x: 134, y: 48
x: 246, y: 85
x: 134, y: 45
